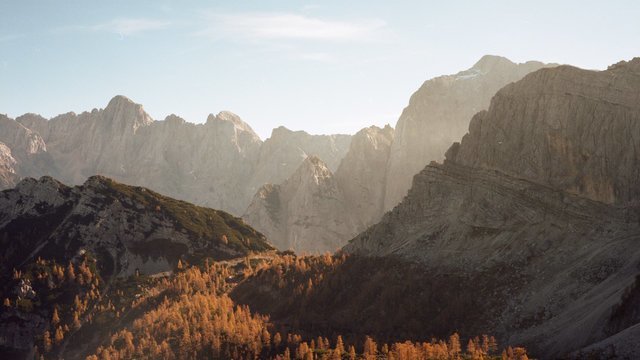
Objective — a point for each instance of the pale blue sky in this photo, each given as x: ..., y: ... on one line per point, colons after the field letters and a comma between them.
x: 322, y: 66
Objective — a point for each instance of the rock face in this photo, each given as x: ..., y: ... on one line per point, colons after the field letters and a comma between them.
x: 7, y: 168
x: 126, y: 228
x: 24, y: 151
x: 568, y: 128
x: 361, y: 176
x: 282, y: 153
x: 439, y: 113
x: 219, y: 164
x: 304, y: 213
x: 316, y: 211
x: 540, y: 198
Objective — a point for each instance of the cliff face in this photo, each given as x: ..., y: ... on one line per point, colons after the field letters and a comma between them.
x: 542, y: 189
x: 571, y: 129
x: 283, y: 153
x: 361, y: 176
x: 438, y: 114
x: 314, y: 210
x: 7, y: 168
x: 304, y: 213
x: 126, y: 228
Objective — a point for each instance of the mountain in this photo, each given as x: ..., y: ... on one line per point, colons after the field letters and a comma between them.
x: 540, y: 199
x: 304, y: 213
x: 438, y: 114
x: 283, y: 153
x: 315, y: 210
x: 220, y: 163
x: 127, y: 228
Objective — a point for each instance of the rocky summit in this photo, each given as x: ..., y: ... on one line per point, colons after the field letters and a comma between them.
x: 539, y: 198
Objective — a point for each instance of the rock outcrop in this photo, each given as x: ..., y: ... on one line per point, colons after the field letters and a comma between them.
x: 540, y: 198
x: 304, y: 213
x: 126, y: 228
x: 438, y: 114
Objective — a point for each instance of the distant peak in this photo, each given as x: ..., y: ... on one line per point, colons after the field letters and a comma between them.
x: 120, y: 99
x: 128, y: 114
x: 229, y: 117
x: 488, y: 62
x: 174, y: 119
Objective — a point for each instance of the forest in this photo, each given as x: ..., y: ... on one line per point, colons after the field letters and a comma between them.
x: 191, y: 314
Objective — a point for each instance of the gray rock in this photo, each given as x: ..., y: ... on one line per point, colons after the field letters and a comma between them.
x: 439, y: 113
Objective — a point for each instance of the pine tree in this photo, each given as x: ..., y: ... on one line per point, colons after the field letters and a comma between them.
x: 454, y: 346
x: 277, y: 339
x: 339, y: 345
x: 59, y: 335
x: 370, y: 347
x: 55, y: 318
x: 46, y: 341
x: 352, y: 353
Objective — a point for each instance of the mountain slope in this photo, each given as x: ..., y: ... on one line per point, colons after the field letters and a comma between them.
x: 540, y: 189
x: 127, y: 228
x: 438, y: 114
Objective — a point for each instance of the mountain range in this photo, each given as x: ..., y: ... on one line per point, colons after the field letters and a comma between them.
x: 224, y: 164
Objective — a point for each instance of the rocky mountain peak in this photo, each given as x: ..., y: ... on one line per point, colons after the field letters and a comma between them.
x: 227, y: 117
x: 125, y: 115
x: 175, y: 120
x: 315, y: 168
x: 491, y: 62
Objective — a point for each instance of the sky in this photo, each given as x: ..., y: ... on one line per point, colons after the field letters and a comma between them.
x: 321, y: 66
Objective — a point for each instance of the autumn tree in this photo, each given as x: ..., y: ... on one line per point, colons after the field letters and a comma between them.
x: 55, y: 318
x: 46, y: 341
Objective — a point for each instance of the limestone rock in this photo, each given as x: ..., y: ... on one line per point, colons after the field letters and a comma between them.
x: 361, y: 175
x: 220, y: 163
x: 439, y: 113
x: 304, y: 213
x: 572, y: 129
x: 7, y: 168
x: 316, y: 211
